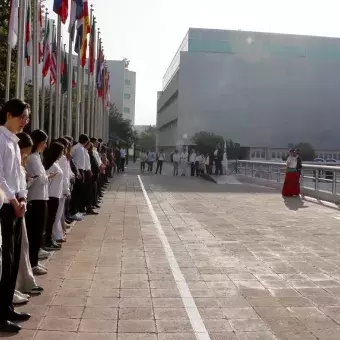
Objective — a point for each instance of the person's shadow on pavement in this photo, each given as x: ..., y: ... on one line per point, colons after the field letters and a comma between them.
x: 294, y: 203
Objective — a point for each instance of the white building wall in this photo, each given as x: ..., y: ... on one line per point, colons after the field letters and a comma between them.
x: 129, y: 95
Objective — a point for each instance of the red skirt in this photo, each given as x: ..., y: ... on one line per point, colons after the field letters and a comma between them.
x: 291, y: 186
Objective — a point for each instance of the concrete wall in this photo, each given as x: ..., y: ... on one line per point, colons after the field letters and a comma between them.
x: 116, y: 69
x: 131, y: 90
x: 269, y: 101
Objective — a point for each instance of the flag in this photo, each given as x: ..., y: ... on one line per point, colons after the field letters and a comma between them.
x: 86, y: 30
x: 47, y: 52
x: 74, y: 81
x: 64, y: 73
x: 13, y: 23
x: 92, y: 47
x: 100, y: 64
x: 53, y: 68
x: 41, y: 36
x: 28, y: 37
x: 76, y: 14
x: 79, y: 37
x: 61, y: 8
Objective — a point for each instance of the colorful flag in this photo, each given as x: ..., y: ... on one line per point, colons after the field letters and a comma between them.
x: 61, y: 8
x: 47, y: 52
x: 79, y: 37
x: 86, y: 30
x: 53, y: 68
x: 28, y: 37
x: 92, y: 47
x: 64, y: 73
x: 76, y: 14
x: 13, y: 23
x: 100, y: 64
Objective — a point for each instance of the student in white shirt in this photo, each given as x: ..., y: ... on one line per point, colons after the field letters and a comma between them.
x: 88, y: 182
x: 143, y: 158
x: 122, y: 159
x: 160, y: 159
x: 176, y: 158
x: 37, y: 199
x: 150, y: 159
x: 184, y: 162
x: 13, y: 117
x: 192, y: 161
x: 55, y: 190
x: 79, y: 161
x: 26, y: 281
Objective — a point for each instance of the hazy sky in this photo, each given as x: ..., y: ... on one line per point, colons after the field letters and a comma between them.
x: 149, y: 32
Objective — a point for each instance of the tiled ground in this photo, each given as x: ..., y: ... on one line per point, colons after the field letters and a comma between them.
x: 257, y: 268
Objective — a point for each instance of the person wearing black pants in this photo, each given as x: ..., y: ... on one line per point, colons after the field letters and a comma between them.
x: 160, y: 159
x: 13, y: 118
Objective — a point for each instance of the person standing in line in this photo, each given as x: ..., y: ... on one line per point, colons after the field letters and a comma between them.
x: 160, y: 159
x: 151, y: 159
x: 14, y: 116
x: 117, y: 159
x: 202, y: 165
x: 55, y: 191
x: 78, y: 158
x: 207, y: 163
x: 88, y: 181
x: 219, y: 159
x: 192, y: 161
x: 122, y: 159
x: 37, y: 199
x: 143, y: 158
x: 197, y: 163
x: 184, y: 161
x: 176, y: 158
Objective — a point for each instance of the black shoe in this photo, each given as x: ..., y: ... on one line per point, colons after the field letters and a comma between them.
x: 97, y: 206
x: 9, y: 327
x: 52, y: 246
x: 16, y: 316
x: 91, y: 212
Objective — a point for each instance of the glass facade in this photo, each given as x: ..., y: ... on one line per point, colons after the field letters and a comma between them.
x: 126, y: 110
x: 127, y: 96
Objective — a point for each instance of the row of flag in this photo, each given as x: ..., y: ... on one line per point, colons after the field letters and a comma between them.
x: 79, y: 28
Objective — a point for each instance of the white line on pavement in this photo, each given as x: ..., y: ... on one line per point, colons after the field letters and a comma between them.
x: 188, y: 301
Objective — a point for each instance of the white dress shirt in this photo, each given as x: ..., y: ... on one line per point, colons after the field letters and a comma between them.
x: 39, y: 187
x: 176, y: 157
x: 78, y: 156
x: 192, y: 157
x: 10, y: 165
x: 63, y: 163
x: 2, y: 200
x: 55, y: 186
x: 97, y: 157
x: 87, y: 161
x: 161, y: 156
x: 184, y: 157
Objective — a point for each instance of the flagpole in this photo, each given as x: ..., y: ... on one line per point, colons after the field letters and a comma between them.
x: 62, y: 115
x: 82, y: 101
x: 35, y: 61
x: 19, y: 91
x: 57, y: 82
x: 88, y: 108
x: 69, y: 88
x: 93, y: 87
x: 95, y: 101
x: 42, y: 110
x: 51, y: 99
x: 76, y: 133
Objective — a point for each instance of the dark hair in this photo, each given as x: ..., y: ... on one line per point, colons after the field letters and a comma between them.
x: 83, y: 139
x: 38, y: 136
x: 63, y: 141
x: 15, y: 107
x: 69, y: 138
x: 93, y: 139
x: 100, y: 140
x: 25, y: 140
x: 52, y: 154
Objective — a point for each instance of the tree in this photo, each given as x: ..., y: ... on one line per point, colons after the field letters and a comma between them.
x: 147, y: 139
x: 120, y: 127
x: 307, y: 152
x: 206, y: 141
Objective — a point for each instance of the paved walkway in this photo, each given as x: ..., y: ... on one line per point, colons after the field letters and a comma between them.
x: 247, y: 265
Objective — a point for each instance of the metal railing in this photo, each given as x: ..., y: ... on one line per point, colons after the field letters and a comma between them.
x: 319, y: 178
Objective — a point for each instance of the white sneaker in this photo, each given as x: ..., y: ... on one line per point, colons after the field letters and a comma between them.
x: 19, y: 298
x: 39, y: 271
x: 43, y: 254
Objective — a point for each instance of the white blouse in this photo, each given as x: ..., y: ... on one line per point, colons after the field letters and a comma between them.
x: 39, y: 187
x: 55, y: 186
x: 291, y: 162
x: 63, y: 163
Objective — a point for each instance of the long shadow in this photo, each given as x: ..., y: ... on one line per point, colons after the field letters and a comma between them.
x: 294, y: 203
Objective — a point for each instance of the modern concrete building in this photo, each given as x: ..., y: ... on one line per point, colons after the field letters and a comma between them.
x: 263, y: 90
x: 123, y: 88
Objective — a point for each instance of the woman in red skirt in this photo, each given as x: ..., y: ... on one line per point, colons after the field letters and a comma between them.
x: 291, y: 186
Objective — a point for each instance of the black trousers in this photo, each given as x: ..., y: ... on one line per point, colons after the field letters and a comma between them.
x: 88, y: 190
x: 11, y: 249
x: 142, y: 166
x: 122, y: 164
x: 150, y: 166
x: 35, y: 224
x: 159, y: 167
x: 52, y: 205
x: 77, y: 197
x: 192, y: 169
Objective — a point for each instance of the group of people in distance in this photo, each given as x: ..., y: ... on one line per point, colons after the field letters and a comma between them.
x: 45, y: 187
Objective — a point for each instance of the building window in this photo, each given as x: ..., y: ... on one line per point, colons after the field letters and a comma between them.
x: 273, y: 154
x: 126, y: 110
x: 127, y: 96
x: 127, y: 82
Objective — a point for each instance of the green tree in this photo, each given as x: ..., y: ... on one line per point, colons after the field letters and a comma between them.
x: 307, y: 152
x: 205, y: 141
x: 120, y: 127
x: 147, y: 139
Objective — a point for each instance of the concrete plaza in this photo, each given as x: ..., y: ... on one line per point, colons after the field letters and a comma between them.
x: 189, y: 259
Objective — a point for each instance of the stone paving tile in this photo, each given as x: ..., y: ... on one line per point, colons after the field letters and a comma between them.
x: 257, y: 268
